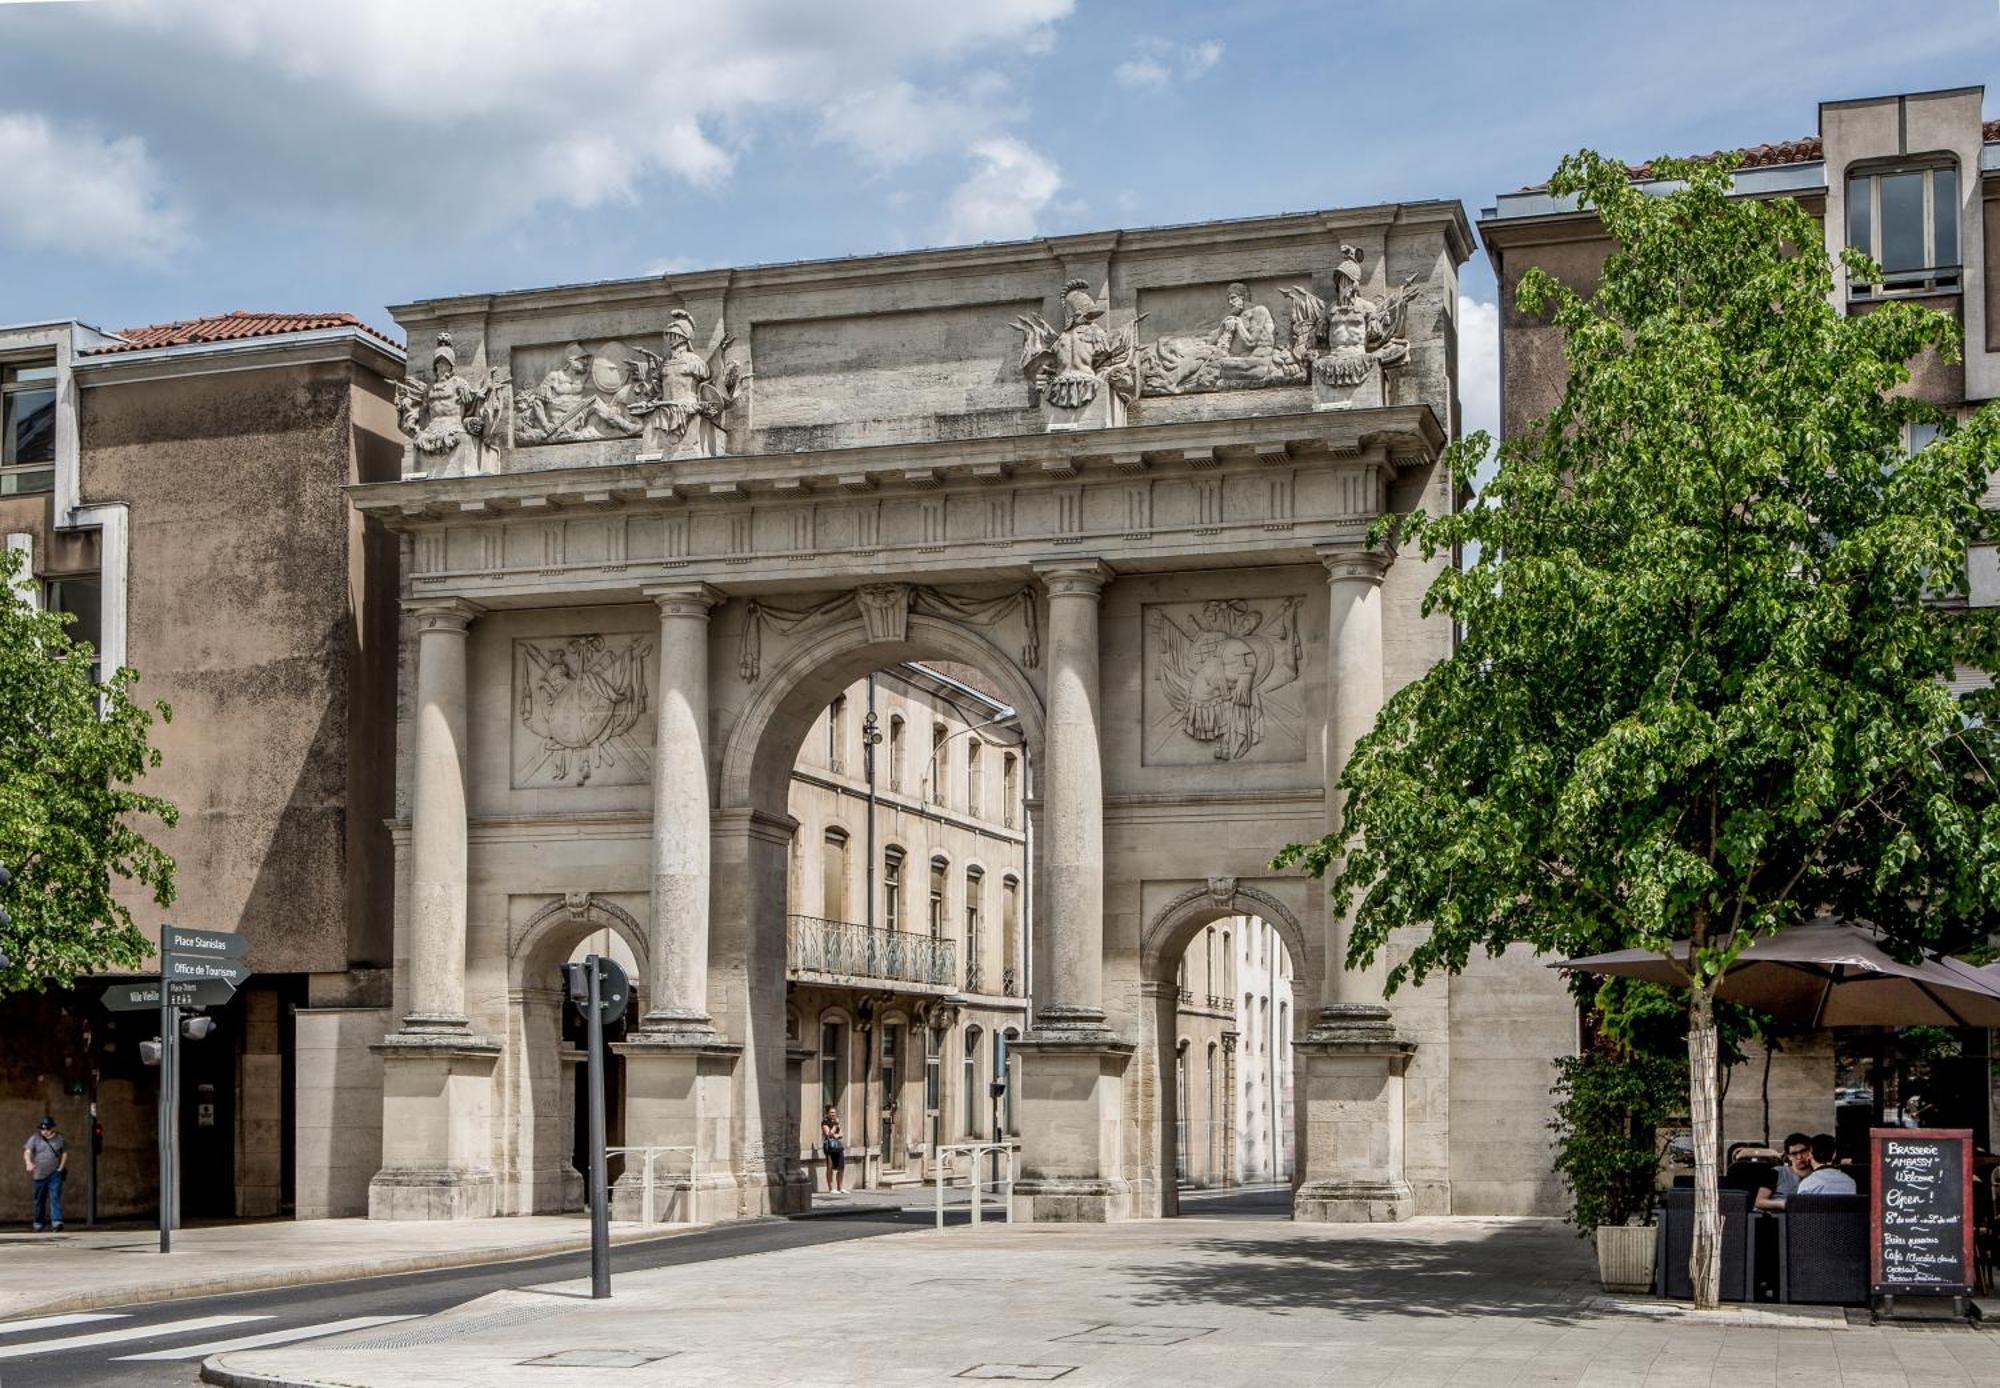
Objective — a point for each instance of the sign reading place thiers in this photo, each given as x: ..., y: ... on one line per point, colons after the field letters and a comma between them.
x: 1920, y: 1212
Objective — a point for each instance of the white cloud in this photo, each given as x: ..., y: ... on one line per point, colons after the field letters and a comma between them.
x: 899, y: 123
x: 1156, y: 62
x: 1479, y: 365
x: 1002, y: 199
x: 73, y: 190
x: 477, y: 112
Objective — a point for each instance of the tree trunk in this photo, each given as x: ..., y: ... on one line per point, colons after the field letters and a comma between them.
x: 1705, y: 1108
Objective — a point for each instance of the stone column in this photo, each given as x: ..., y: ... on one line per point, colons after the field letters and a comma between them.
x: 437, y: 819
x: 677, y: 977
x: 437, y: 1077
x: 1074, y: 1144
x: 1352, y: 1061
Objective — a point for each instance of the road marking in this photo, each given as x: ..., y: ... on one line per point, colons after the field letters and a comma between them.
x: 51, y: 1322
x: 269, y: 1337
x: 130, y: 1332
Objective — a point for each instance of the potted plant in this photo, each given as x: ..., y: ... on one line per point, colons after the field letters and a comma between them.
x: 1610, y: 1101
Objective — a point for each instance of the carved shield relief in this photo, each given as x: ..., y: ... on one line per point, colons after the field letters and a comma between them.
x: 1222, y: 682
x: 582, y: 711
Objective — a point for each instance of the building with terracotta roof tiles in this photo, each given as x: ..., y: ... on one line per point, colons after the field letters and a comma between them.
x: 179, y: 490
x: 1913, y: 180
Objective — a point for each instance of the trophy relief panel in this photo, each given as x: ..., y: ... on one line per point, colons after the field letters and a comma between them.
x: 582, y: 711
x: 1222, y: 682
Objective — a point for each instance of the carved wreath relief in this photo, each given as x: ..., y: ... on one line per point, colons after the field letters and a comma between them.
x: 580, y: 708
x: 1221, y: 682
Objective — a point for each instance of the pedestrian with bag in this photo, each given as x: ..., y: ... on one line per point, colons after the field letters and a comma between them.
x: 834, y: 1143
x: 47, y: 1156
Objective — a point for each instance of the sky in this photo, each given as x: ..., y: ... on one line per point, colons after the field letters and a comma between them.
x: 163, y: 159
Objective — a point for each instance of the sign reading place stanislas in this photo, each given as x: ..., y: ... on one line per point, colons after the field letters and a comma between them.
x: 1920, y: 1212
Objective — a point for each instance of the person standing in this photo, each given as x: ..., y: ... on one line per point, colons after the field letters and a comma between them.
x: 834, y: 1143
x: 47, y: 1156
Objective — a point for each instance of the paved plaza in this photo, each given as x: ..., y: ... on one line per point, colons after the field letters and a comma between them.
x: 1194, y: 1301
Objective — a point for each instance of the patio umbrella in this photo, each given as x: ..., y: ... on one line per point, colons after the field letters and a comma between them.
x: 1828, y: 973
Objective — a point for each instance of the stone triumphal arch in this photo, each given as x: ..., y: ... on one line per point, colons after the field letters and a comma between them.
x: 651, y: 527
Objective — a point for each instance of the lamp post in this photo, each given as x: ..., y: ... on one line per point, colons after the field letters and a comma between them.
x: 871, y: 738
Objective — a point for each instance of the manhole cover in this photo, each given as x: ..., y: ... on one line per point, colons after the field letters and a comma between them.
x: 1135, y: 1335
x: 1038, y: 1373
x: 599, y: 1358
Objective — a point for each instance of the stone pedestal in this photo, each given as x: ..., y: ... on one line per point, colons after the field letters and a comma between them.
x: 677, y: 1094
x: 1071, y: 1106
x: 1349, y: 1077
x: 437, y: 1128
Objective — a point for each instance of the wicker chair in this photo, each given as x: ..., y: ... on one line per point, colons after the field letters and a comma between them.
x: 1823, y: 1250
x: 1676, y: 1241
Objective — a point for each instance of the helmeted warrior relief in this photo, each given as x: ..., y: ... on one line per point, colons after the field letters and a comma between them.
x: 581, y: 700
x: 1216, y: 671
x: 454, y: 423
x: 1068, y: 367
x: 587, y: 395
x: 1348, y: 338
x: 684, y: 394
x: 1242, y: 353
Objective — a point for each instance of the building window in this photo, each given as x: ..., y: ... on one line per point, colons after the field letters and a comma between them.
x: 975, y: 787
x: 970, y: 1074
x: 1004, y: 1067
x: 1214, y: 1130
x: 895, y: 751
x: 27, y: 429
x: 1010, y: 937
x: 892, y: 1052
x: 831, y: 1074
x: 836, y: 735
x: 939, y: 867
x: 1906, y: 221
x: 833, y: 876
x: 83, y: 600
x: 1181, y: 1112
x: 975, y: 944
x: 939, y: 763
x: 933, y: 1081
x: 1010, y: 789
x: 892, y: 889
x: 1228, y: 966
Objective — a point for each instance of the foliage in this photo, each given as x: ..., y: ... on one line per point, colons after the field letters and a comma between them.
x: 1700, y: 691
x: 69, y: 817
x: 1646, y: 1017
x: 1608, y: 1105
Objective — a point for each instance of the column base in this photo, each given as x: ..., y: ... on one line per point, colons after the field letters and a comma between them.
x: 1351, y: 1064
x: 1073, y: 1142
x: 1059, y: 1201
x: 437, y: 1139
x: 678, y: 1094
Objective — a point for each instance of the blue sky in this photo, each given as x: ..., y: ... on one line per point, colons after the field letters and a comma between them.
x: 161, y: 159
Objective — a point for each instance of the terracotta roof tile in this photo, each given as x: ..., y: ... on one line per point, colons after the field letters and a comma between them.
x: 1800, y: 151
x: 232, y: 327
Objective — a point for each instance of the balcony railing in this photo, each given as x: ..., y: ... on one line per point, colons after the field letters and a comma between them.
x: 817, y: 948
x: 1010, y: 983
x: 1218, y: 1003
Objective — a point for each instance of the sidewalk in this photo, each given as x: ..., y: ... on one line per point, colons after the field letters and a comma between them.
x: 79, y: 1270
x: 1190, y: 1301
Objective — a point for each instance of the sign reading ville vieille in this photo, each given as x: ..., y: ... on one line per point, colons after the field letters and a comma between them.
x: 1920, y: 1213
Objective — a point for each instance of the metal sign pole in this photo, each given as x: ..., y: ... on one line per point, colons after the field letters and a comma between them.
x: 169, y: 1033
x: 600, y: 1216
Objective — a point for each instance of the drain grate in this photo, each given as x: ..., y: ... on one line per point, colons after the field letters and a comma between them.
x: 599, y: 1358
x: 1036, y: 1373
x: 1136, y: 1334
x: 410, y: 1337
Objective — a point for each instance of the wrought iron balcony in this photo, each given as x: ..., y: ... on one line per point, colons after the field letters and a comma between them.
x: 975, y: 979
x: 837, y: 951
x: 1010, y: 983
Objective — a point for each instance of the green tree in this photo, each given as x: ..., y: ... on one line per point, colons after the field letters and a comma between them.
x: 1700, y: 691
x: 70, y: 752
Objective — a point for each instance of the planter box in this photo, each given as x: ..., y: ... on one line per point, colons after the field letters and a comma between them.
x: 1625, y: 1257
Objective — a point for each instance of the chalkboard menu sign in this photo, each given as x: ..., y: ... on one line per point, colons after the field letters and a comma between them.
x: 1920, y: 1211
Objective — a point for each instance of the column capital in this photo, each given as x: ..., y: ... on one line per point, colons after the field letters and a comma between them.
x: 685, y: 599
x: 1351, y: 562
x: 441, y: 614
x: 1074, y: 578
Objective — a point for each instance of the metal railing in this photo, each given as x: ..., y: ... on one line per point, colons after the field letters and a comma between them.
x: 1010, y: 983
x: 843, y: 949
x: 976, y: 1189
x: 1218, y: 1003
x: 974, y: 978
x: 652, y: 1155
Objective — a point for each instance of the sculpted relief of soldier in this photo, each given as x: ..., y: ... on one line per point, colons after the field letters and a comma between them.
x: 454, y: 423
x: 672, y: 401
x: 1218, y: 665
x: 1243, y: 352
x: 587, y: 395
x: 684, y: 393
x: 1349, y: 338
x: 1083, y: 363
x: 579, y: 703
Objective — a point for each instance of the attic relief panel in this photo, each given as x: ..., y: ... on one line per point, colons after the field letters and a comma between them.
x: 581, y: 712
x: 1221, y: 682
x: 672, y: 400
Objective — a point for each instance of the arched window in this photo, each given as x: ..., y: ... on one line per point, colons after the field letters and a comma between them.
x: 1004, y: 1070
x: 1208, y: 961
x: 1010, y: 937
x: 975, y: 787
x: 973, y: 1088
x: 1010, y: 789
x: 895, y: 751
x: 939, y: 867
x: 836, y: 735
x: 940, y: 767
x: 975, y: 937
x: 832, y: 1071
x: 1212, y: 1133
x: 892, y: 889
x: 833, y: 876
x: 1181, y: 980
x: 1181, y: 1112
x: 1228, y: 966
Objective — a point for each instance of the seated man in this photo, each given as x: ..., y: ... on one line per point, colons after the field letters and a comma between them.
x: 1825, y: 1178
x: 1796, y: 1166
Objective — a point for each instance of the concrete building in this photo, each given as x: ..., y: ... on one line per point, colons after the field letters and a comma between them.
x: 179, y: 489
x: 1263, y: 995
x: 1913, y: 180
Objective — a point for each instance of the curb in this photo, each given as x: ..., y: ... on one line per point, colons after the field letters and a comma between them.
x: 339, y: 1272
x: 214, y: 1371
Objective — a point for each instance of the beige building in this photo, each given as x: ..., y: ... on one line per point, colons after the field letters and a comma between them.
x: 179, y: 489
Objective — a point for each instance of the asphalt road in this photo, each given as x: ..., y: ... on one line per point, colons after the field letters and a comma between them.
x: 47, y: 1356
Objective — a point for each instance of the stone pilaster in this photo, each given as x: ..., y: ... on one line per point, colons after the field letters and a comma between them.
x: 1351, y: 1063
